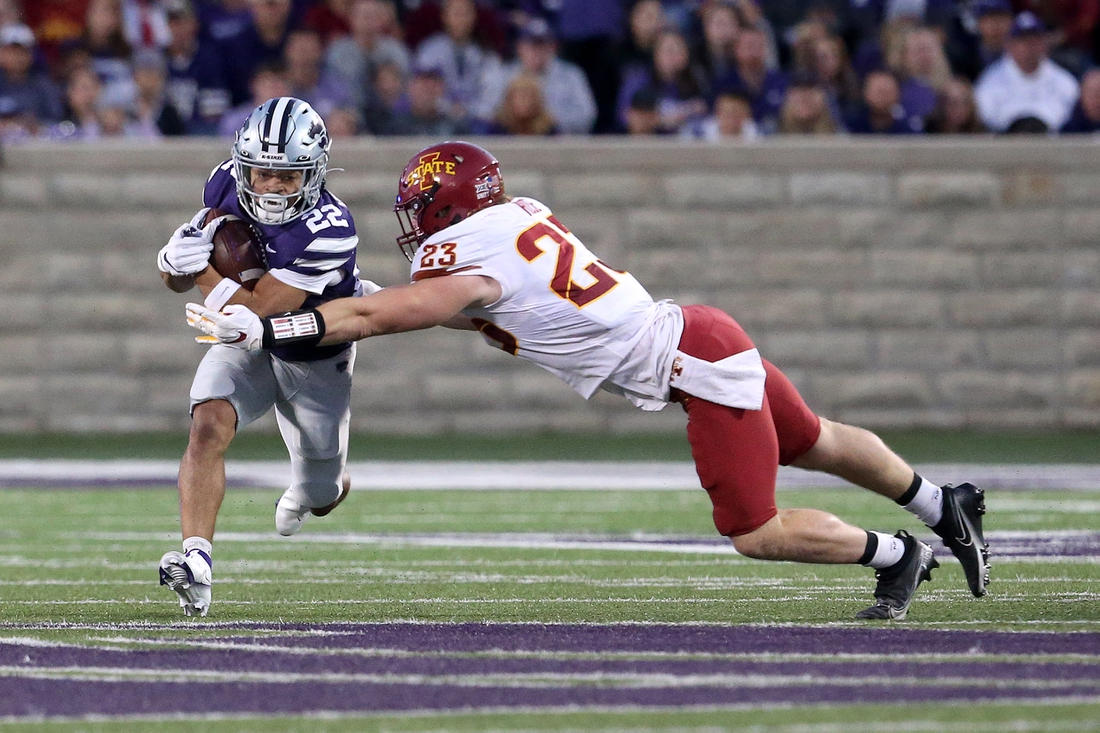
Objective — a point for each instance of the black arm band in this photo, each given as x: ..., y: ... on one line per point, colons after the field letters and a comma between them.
x: 301, y: 328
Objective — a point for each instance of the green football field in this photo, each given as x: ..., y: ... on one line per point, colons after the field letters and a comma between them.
x: 538, y: 610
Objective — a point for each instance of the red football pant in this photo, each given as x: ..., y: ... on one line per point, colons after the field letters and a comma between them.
x: 738, y: 452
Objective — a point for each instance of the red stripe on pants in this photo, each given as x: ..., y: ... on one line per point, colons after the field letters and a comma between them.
x: 737, y: 452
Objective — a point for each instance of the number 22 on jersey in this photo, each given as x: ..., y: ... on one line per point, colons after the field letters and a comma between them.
x: 530, y: 244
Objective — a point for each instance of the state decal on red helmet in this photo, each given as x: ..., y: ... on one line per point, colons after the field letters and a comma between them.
x: 442, y: 185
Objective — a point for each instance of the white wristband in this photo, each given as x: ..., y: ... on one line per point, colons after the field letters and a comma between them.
x: 221, y: 294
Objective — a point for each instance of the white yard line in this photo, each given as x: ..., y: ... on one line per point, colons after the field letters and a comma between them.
x: 528, y: 475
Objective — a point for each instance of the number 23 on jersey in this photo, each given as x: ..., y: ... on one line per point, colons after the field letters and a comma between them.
x: 545, y: 235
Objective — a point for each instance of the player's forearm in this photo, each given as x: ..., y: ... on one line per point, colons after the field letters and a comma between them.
x: 393, y: 310
x: 268, y: 297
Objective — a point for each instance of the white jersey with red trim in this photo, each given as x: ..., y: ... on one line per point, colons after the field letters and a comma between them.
x: 561, y: 308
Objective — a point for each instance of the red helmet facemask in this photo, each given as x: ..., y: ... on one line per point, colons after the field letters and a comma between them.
x: 442, y: 185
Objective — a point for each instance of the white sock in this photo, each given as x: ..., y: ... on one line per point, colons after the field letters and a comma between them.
x: 927, y: 505
x: 198, y: 543
x: 889, y: 551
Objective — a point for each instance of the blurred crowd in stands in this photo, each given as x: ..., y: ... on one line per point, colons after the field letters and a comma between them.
x: 708, y: 69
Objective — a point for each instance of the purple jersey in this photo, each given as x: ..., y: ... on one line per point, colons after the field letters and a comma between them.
x: 314, y: 253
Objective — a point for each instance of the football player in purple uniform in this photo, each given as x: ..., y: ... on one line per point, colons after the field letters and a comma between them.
x: 275, y: 180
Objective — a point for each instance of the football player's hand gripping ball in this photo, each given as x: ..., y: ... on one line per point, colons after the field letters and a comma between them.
x: 188, y: 251
x: 234, y: 325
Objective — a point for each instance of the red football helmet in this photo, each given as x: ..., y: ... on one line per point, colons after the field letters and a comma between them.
x: 441, y: 186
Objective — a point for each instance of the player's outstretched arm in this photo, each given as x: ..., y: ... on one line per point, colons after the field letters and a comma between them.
x: 433, y: 302
x: 424, y: 304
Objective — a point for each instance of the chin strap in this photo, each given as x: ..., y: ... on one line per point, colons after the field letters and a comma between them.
x: 301, y: 327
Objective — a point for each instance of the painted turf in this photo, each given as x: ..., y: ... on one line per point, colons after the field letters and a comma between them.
x: 416, y: 667
x: 243, y: 669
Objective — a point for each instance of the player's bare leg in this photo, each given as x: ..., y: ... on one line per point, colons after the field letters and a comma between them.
x: 804, y: 535
x: 202, y: 470
x: 808, y: 535
x: 952, y: 512
x: 858, y: 456
x: 201, y: 489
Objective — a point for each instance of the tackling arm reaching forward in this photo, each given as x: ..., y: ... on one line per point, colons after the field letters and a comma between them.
x: 436, y: 302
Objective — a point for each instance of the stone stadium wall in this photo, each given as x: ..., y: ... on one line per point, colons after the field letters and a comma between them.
x: 947, y: 283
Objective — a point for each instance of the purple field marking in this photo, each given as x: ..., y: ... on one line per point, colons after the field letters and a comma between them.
x: 28, y: 696
x: 474, y: 637
x: 38, y: 697
x: 42, y: 658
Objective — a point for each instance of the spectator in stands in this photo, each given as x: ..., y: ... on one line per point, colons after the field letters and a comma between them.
x: 876, y: 52
x: 423, y: 19
x: 262, y: 40
x: 882, y: 113
x: 331, y: 19
x: 766, y: 88
x: 721, y: 26
x: 732, y: 120
x: 923, y: 69
x: 680, y: 84
x: 106, y: 46
x: 641, y: 114
x: 833, y: 72
x: 323, y: 90
x: 972, y: 54
x: 1086, y: 113
x: 224, y: 19
x: 751, y: 15
x: 805, y: 110
x: 647, y: 20
x: 196, y: 84
x: 523, y: 110
x: 356, y: 58
x: 79, y: 120
x: 269, y: 81
x: 956, y: 112
x: 590, y: 33
x: 115, y: 111
x: 1025, y: 83
x: 152, y: 108
x: 144, y: 24
x: 565, y: 88
x: 28, y: 97
x: 386, y: 97
x: 465, y: 63
x: 56, y: 24
x: 425, y: 111
x: 803, y: 43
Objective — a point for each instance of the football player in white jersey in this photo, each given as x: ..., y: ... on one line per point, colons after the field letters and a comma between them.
x: 510, y: 269
x: 275, y: 180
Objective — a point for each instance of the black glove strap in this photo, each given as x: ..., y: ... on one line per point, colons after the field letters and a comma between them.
x: 302, y: 327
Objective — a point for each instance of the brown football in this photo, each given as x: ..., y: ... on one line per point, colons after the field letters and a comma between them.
x: 238, y: 250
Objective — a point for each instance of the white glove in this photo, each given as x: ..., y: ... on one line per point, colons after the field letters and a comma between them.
x: 233, y: 325
x: 188, y: 251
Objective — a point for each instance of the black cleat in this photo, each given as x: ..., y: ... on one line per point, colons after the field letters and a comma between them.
x: 961, y: 531
x: 898, y: 583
